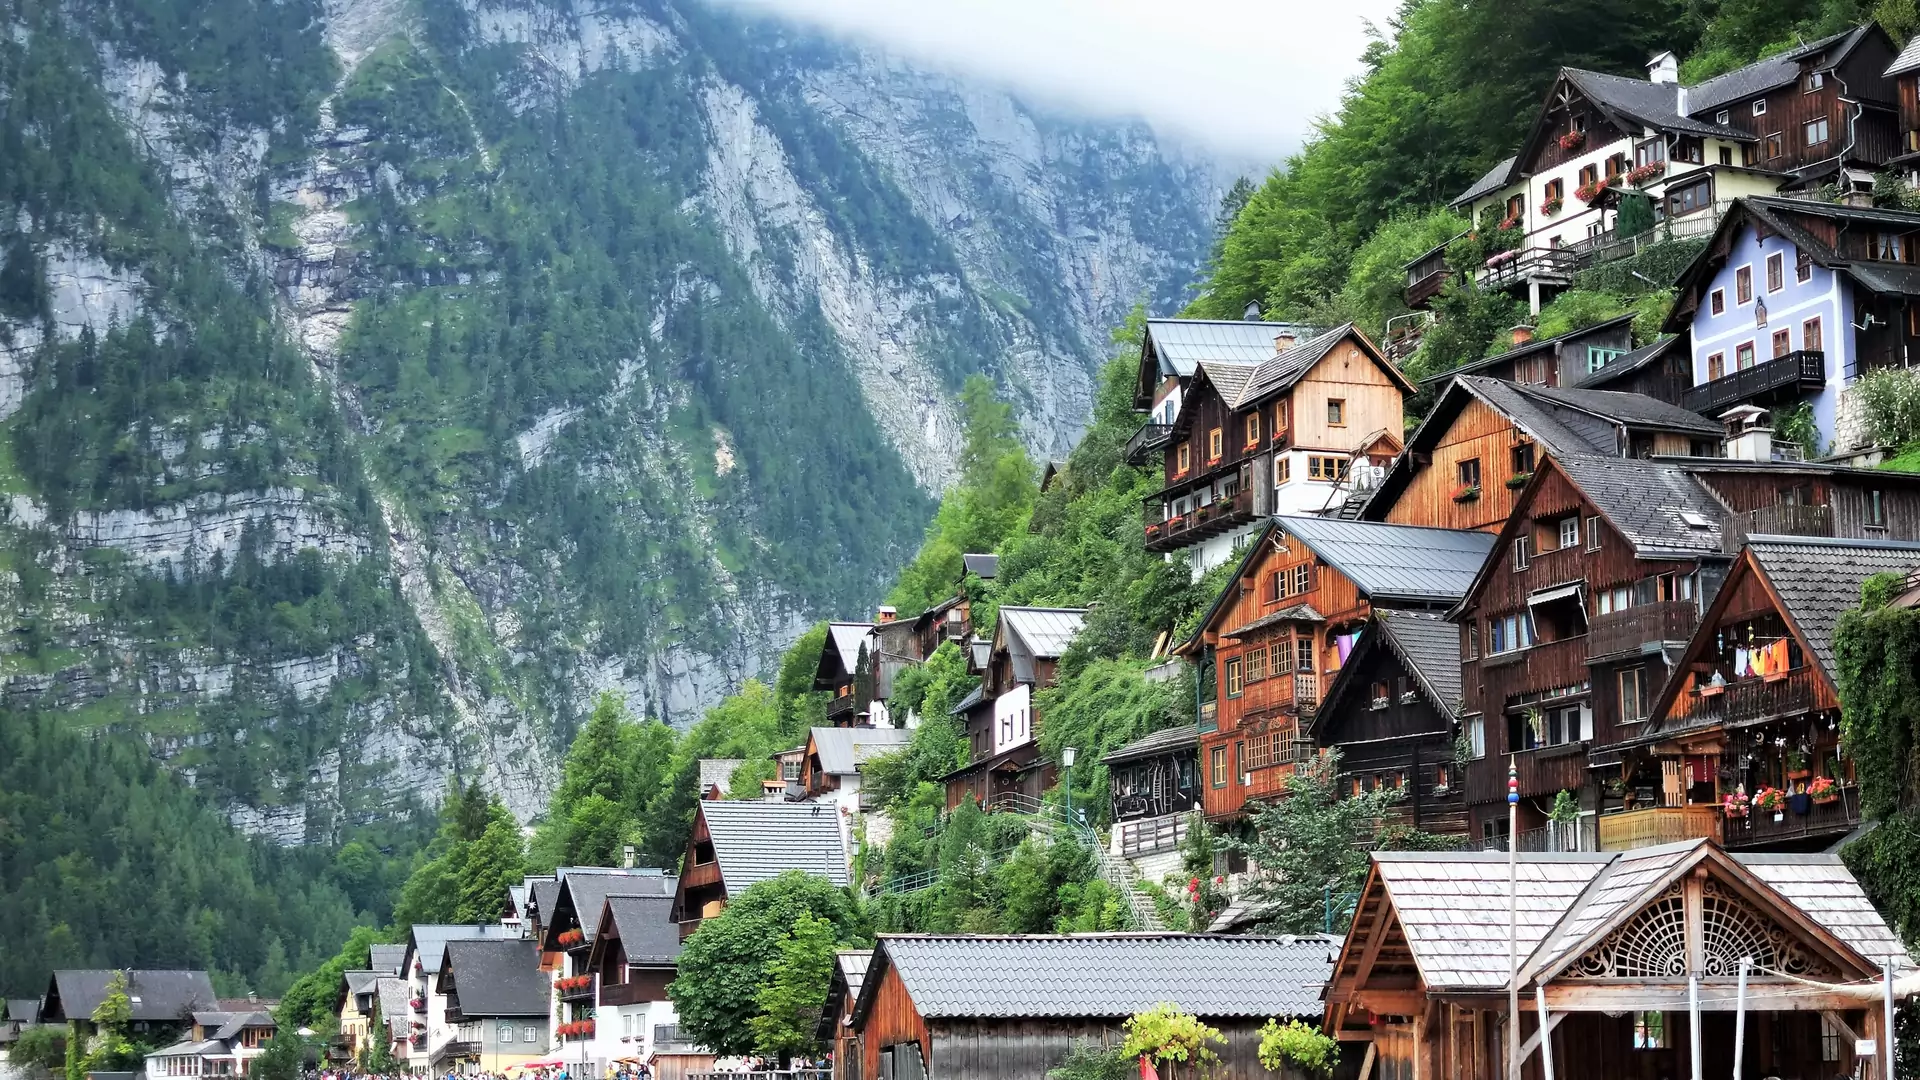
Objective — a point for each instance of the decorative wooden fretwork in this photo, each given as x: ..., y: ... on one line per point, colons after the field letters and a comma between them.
x: 1653, y: 944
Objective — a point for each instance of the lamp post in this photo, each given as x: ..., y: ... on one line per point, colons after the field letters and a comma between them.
x: 1067, y: 754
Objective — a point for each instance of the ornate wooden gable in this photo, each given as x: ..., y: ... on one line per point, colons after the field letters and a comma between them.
x: 1654, y: 944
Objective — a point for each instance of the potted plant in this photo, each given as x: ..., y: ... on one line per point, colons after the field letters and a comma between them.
x: 1466, y: 493
x: 1573, y: 140
x: 1736, y: 805
x: 1823, y: 790
x: 1518, y: 480
x: 1592, y: 190
x: 1644, y: 173
x: 1770, y: 800
x: 1715, y: 685
x: 1797, y: 765
x: 1551, y: 207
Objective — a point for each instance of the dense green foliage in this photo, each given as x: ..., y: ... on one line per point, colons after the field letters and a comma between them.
x: 1300, y: 1045
x: 1089, y: 1060
x: 614, y: 769
x: 748, y: 975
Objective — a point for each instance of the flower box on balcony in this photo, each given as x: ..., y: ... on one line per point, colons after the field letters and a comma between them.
x: 1644, y: 173
x: 1551, y: 207
x: 1466, y: 493
x: 1823, y: 790
x: 1573, y: 140
x: 1588, y: 192
x: 1518, y: 480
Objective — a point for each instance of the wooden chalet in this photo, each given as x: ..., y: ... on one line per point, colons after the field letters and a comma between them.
x: 1287, y: 621
x: 1153, y: 785
x: 1276, y: 437
x: 1595, y: 580
x: 1641, y: 964
x: 845, y: 670
x: 634, y: 955
x: 1753, y: 707
x: 568, y: 932
x: 835, y: 1030
x: 968, y: 1007
x: 498, y: 1002
x: 830, y: 764
x: 737, y: 844
x: 1905, y: 73
x: 1171, y: 350
x: 1662, y: 371
x: 1807, y: 499
x: 1002, y: 723
x: 1554, y: 361
x: 1464, y: 466
x: 1392, y: 713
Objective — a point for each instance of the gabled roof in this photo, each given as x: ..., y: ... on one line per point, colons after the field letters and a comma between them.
x: 1429, y: 646
x: 358, y: 982
x: 428, y: 941
x: 1660, y: 508
x: 844, y: 642
x: 852, y: 964
x: 1774, y: 71
x: 1167, y: 740
x: 645, y: 927
x: 1908, y: 60
x: 1228, y: 379
x: 584, y: 890
x: 23, y: 1010
x: 1783, y: 216
x: 1282, y: 371
x: 841, y: 750
x: 234, y: 1023
x: 162, y: 996
x: 1390, y: 563
x: 1036, y: 633
x: 498, y: 978
x: 1491, y: 181
x: 718, y: 772
x: 1183, y: 344
x: 1101, y: 975
x: 1628, y: 363
x: 983, y: 567
x: 1534, y: 346
x: 393, y: 992
x: 754, y: 841
x: 1452, y: 906
x: 1819, y: 578
x: 849, y: 974
x: 386, y: 959
x: 1648, y: 104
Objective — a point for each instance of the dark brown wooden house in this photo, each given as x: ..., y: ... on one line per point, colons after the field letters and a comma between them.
x: 735, y: 845
x: 1392, y: 712
x: 1285, y: 624
x: 634, y: 955
x: 1594, y: 582
x: 836, y: 1018
x: 1613, y: 950
x: 1002, y: 723
x: 1153, y: 783
x: 1812, y: 110
x: 984, y: 1008
x: 1662, y: 371
x: 1753, y: 706
x: 1466, y: 463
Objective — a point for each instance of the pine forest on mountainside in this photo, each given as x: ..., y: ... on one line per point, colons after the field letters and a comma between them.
x: 576, y: 239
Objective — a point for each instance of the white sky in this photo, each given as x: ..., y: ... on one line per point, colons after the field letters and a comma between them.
x: 1240, y: 77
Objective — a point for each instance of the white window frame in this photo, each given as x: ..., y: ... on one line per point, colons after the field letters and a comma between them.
x: 1570, y: 531
x: 1759, y: 106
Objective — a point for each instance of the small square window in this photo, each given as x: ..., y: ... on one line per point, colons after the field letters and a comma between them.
x: 1649, y: 1031
x: 1815, y: 80
x: 1724, y: 116
x: 1570, y: 531
x: 1282, y: 470
x: 1743, y: 285
x: 1760, y: 107
x: 1816, y: 131
x: 1782, y: 343
x: 1336, y: 412
x: 1716, y: 365
x: 1469, y: 471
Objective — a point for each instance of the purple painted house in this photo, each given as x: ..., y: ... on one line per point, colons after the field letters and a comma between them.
x: 1793, y: 300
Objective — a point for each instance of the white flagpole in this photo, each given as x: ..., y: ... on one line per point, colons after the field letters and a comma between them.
x: 1513, y: 917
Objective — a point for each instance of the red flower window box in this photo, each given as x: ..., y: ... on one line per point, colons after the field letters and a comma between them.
x: 1573, y: 140
x: 1551, y: 207
x: 1587, y: 193
x: 1644, y: 173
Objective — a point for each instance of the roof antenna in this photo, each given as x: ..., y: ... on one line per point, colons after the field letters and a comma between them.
x: 1252, y: 313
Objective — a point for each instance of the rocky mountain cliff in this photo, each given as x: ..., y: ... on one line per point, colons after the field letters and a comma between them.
x: 382, y: 379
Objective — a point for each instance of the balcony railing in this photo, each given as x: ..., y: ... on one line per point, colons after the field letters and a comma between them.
x: 1658, y: 825
x: 1783, y: 376
x: 1299, y: 690
x: 1163, y: 833
x: 1577, y: 835
x: 1629, y: 632
x: 1820, y: 819
x: 1783, y: 520
x: 1426, y: 287
x: 841, y: 707
x: 1609, y: 246
x: 1149, y: 438
x: 1751, y: 700
x: 1552, y: 265
x: 1195, y: 525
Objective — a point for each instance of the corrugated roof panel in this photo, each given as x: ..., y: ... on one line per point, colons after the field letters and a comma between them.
x: 1402, y: 561
x: 1186, y: 343
x: 754, y: 841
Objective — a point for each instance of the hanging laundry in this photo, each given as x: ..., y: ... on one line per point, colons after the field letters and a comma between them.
x: 1344, y: 644
x: 1739, y: 663
x: 1757, y: 660
x: 1777, y: 657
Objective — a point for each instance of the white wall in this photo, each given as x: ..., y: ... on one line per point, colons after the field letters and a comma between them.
x: 1013, y: 718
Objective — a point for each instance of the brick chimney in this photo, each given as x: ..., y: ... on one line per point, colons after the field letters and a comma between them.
x: 885, y: 615
x: 1283, y: 341
x: 1522, y: 334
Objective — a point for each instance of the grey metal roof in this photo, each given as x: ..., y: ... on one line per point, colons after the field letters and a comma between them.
x: 585, y: 889
x: 235, y: 1023
x: 1185, y: 343
x: 1178, y: 737
x: 545, y: 892
x: 647, y: 930
x: 1491, y: 181
x: 1648, y: 502
x: 1430, y: 647
x: 1036, y: 633
x: 155, y: 995
x: 1764, y: 75
x: 1656, y: 105
x: 386, y: 959
x: 1109, y: 975
x: 973, y: 698
x: 754, y: 841
x: 1388, y: 562
x: 359, y: 982
x: 1627, y: 363
x: 981, y: 566
x: 846, y: 638
x: 429, y: 940
x: 718, y: 771
x: 853, y: 967
x: 1622, y: 407
x: 842, y: 750
x: 1286, y: 369
x: 186, y: 1048
x: 499, y: 978
x: 1534, y: 346
x: 23, y: 1010
x: 1818, y: 578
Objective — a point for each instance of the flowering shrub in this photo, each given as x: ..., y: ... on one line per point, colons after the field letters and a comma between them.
x: 1573, y: 140
x: 1551, y: 207
x: 1588, y: 192
x: 1644, y: 173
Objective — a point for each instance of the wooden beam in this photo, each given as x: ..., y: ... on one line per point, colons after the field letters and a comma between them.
x: 1391, y: 1002
x: 1533, y: 1041
x: 1376, y: 934
x: 1719, y: 995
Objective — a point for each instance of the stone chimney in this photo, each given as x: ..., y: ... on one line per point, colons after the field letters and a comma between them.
x: 1664, y: 68
x: 1282, y: 342
x: 885, y: 615
x: 627, y: 854
x: 1522, y: 334
x: 1749, y: 433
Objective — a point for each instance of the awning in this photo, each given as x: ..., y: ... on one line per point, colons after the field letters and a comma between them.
x: 1290, y: 613
x: 1569, y: 591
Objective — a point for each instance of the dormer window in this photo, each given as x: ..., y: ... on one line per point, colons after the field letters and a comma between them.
x: 1814, y: 81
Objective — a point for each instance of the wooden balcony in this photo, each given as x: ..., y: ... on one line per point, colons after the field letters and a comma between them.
x: 1786, y: 519
x: 1643, y: 629
x: 1150, y: 438
x: 1184, y: 530
x: 1821, y: 821
x: 1549, y: 266
x: 1751, y: 701
x: 1285, y: 692
x: 1544, y: 772
x: 841, y: 708
x: 1659, y: 825
x: 1782, y: 378
x: 1426, y: 287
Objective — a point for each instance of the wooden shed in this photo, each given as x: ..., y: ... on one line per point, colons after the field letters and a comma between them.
x: 962, y: 1007
x: 1638, y: 965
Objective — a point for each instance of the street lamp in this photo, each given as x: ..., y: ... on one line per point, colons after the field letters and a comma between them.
x: 1067, y: 754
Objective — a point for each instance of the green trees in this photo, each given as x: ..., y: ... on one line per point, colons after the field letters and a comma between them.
x: 749, y: 975
x: 377, y: 1058
x: 310, y: 1001
x: 615, y: 768
x: 464, y: 873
